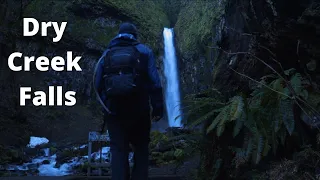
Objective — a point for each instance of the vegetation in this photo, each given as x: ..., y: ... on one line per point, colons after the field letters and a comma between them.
x: 87, y: 25
x: 276, y: 111
x: 195, y: 22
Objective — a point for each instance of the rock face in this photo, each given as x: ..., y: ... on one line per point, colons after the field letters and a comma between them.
x: 90, y: 27
x: 205, y: 31
x: 270, y: 31
x: 194, y: 36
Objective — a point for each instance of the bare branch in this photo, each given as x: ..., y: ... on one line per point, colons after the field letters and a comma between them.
x: 294, y: 94
x: 261, y: 83
x: 263, y: 47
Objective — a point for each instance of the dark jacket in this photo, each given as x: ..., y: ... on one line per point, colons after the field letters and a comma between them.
x: 152, y: 88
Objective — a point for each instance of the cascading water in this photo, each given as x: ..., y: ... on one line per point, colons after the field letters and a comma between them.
x: 172, y: 93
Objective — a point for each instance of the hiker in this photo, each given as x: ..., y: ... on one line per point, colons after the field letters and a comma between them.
x: 126, y: 79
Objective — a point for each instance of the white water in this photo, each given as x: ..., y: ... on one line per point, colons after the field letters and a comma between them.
x: 46, y: 152
x: 66, y: 168
x: 172, y: 92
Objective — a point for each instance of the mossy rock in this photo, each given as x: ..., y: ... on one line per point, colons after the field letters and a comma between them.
x: 53, y: 150
x: 156, y: 138
x: 95, y: 23
x: 10, y: 155
x: 195, y: 24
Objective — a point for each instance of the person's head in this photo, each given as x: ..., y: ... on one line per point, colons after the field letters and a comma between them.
x: 128, y: 28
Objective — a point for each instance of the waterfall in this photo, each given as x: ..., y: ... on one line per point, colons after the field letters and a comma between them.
x: 46, y: 152
x: 172, y: 94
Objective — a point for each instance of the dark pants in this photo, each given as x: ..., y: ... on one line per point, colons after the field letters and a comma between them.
x: 124, y: 129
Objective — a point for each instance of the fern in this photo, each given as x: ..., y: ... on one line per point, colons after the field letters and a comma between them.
x: 203, y: 118
x: 236, y: 108
x: 287, y: 114
x: 265, y: 118
x: 259, y: 148
x: 223, y: 115
x: 239, y: 124
x: 296, y: 83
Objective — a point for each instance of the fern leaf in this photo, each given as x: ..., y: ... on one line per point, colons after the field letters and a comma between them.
x: 282, y: 136
x: 276, y: 118
x: 289, y: 72
x: 314, y: 99
x: 259, y: 149
x: 285, y: 91
x: 239, y: 124
x: 277, y: 85
x: 277, y: 124
x: 237, y: 106
x: 266, y: 148
x: 287, y: 114
x: 251, y: 124
x: 296, y: 83
x: 217, y: 167
x: 269, y: 76
x: 274, y: 142
x: 304, y: 94
x: 249, y: 148
x: 203, y: 118
x: 224, y: 114
x: 221, y: 127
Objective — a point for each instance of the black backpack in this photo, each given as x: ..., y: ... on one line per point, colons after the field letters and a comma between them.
x: 121, y: 71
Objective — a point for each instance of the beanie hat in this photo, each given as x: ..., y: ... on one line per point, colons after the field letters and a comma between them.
x: 128, y: 28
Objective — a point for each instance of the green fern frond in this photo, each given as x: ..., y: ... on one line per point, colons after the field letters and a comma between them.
x: 222, y: 116
x: 221, y: 126
x: 289, y: 72
x: 304, y: 94
x: 296, y: 83
x: 249, y: 148
x: 282, y: 134
x: 251, y: 124
x: 203, y: 118
x: 287, y: 92
x: 277, y: 121
x: 277, y: 85
x: 259, y: 149
x: 274, y: 142
x: 269, y: 76
x: 287, y: 114
x: 314, y: 99
x: 239, y: 124
x: 266, y: 149
x: 237, y: 106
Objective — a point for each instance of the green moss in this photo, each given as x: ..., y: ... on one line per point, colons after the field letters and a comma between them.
x: 147, y: 15
x: 53, y: 150
x: 195, y: 24
x: 157, y: 137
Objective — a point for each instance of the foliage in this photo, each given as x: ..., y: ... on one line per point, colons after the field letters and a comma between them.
x: 303, y: 166
x: 100, y: 24
x: 195, y: 22
x: 265, y: 118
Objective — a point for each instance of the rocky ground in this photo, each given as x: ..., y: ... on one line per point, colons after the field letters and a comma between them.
x: 171, y: 153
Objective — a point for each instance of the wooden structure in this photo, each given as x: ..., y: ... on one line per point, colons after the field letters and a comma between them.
x: 96, y: 137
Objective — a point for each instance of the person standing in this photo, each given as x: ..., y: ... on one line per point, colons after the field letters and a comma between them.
x: 127, y: 82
